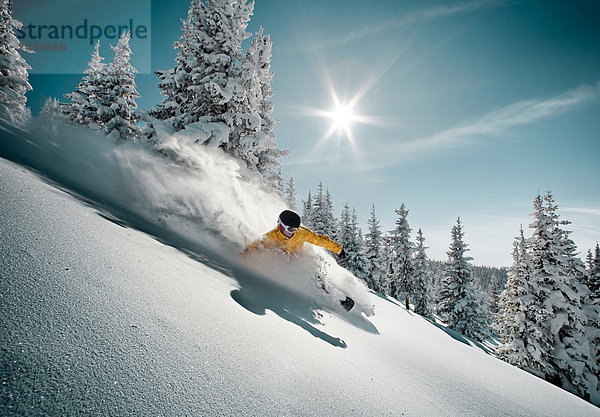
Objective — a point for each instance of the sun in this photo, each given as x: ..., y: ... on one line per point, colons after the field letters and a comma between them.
x: 342, y: 117
x: 344, y: 114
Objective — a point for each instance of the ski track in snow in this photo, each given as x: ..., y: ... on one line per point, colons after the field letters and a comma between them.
x: 107, y: 313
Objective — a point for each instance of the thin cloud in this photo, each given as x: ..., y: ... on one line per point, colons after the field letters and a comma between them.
x: 581, y: 210
x: 420, y: 16
x: 496, y: 122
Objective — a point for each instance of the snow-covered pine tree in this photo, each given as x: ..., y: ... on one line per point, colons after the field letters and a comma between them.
x: 205, y: 84
x: 328, y: 218
x: 385, y: 285
x: 593, y: 280
x: 256, y: 126
x: 593, y: 327
x: 345, y: 233
x: 51, y: 111
x: 400, y: 263
x: 323, y: 220
x: 307, y: 211
x: 459, y: 306
x: 121, y: 93
x: 88, y: 103
x: 519, y: 324
x: 577, y: 279
x: 438, y: 273
x: 495, y: 289
x: 421, y: 279
x: 290, y: 194
x: 361, y: 263
x: 247, y: 138
x: 348, y: 237
x: 277, y: 184
x: 374, y: 264
x: 14, y: 78
x: 543, y: 274
x: 568, y: 308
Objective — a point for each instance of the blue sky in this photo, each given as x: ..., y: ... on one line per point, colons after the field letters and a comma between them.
x: 467, y: 108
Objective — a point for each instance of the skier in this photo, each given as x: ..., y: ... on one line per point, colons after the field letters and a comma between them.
x: 290, y: 237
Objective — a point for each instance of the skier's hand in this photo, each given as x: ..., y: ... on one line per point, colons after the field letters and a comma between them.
x: 342, y: 259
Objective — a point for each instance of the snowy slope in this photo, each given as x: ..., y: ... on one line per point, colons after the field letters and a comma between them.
x: 99, y: 317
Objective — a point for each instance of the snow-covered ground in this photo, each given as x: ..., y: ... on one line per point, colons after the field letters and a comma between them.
x: 104, y: 312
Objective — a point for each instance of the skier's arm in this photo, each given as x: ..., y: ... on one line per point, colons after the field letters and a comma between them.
x: 251, y: 247
x: 268, y: 241
x: 324, y: 241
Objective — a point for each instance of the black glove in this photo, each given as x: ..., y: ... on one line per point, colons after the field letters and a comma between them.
x: 342, y: 259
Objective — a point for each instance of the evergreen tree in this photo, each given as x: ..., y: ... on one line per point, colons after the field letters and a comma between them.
x: 205, y: 84
x: 214, y: 81
x: 385, y: 285
x: 90, y: 104
x: 14, y: 78
x: 580, y: 369
x: 277, y: 184
x: 438, y: 273
x: 593, y: 307
x: 105, y: 97
x: 562, y: 300
x: 421, y: 281
x: 257, y: 127
x: 329, y: 218
x: 323, y: 220
x: 345, y: 234
x: 290, y: 194
x: 459, y: 305
x: 593, y: 280
x: 519, y: 323
x: 247, y: 138
x: 542, y: 276
x: 50, y: 112
x: 495, y: 289
x: 374, y: 264
x: 401, y: 249
x: 121, y: 92
x: 349, y: 238
x: 307, y: 211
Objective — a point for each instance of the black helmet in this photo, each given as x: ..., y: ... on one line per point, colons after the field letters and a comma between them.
x: 289, y: 218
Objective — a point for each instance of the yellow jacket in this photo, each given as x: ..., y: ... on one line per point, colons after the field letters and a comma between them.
x: 276, y: 239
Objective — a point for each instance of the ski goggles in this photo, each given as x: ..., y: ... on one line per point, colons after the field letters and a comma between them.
x: 288, y: 229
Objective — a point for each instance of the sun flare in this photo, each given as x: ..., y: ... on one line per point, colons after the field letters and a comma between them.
x: 342, y: 116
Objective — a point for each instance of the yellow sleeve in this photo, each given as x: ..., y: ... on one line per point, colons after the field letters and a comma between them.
x: 251, y: 247
x: 268, y: 240
x: 323, y: 241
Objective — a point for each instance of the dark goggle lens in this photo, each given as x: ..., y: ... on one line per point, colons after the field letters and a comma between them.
x: 288, y: 229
